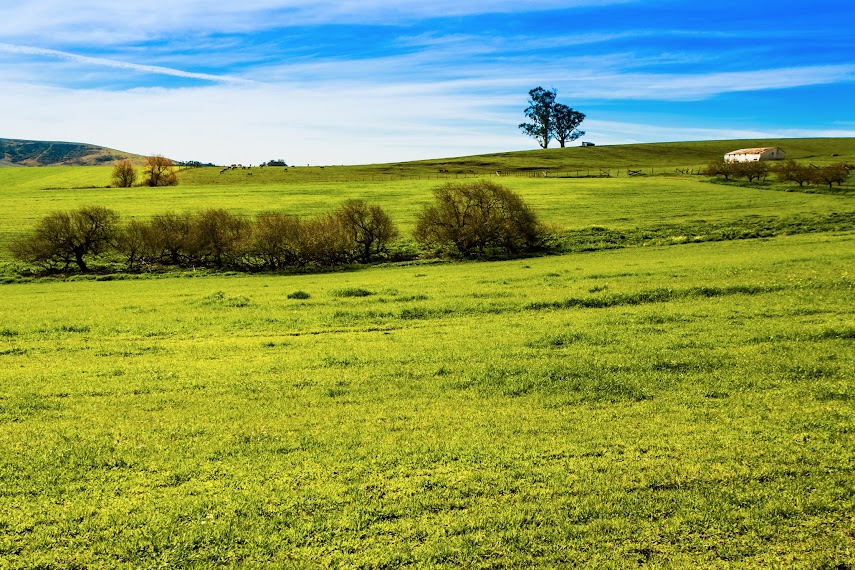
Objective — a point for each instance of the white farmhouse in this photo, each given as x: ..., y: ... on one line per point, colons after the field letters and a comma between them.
x: 755, y: 154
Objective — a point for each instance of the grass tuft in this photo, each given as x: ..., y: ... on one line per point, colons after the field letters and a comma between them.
x: 352, y: 292
x: 220, y: 299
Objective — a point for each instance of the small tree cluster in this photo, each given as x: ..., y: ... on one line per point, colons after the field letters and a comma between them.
x: 792, y: 171
x: 157, y: 171
x: 831, y: 174
x: 273, y: 241
x: 550, y: 119
x: 753, y: 170
x: 473, y: 219
x: 355, y: 232
x: 478, y: 218
x: 786, y: 171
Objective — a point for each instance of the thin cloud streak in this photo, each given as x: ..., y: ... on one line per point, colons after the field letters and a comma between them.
x: 617, y: 132
x: 101, y: 62
x: 594, y: 77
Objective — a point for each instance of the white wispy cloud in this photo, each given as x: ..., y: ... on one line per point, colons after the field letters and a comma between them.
x: 102, y: 62
x: 465, y: 66
x: 107, y: 71
x: 689, y: 87
x: 620, y: 132
x: 226, y: 124
x: 352, y: 125
x: 106, y: 21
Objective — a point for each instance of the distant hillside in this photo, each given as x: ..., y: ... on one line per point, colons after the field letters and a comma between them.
x: 651, y: 158
x: 49, y: 153
x: 671, y: 154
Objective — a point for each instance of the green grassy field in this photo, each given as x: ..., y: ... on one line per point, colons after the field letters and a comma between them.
x: 644, y: 203
x: 659, y: 158
x: 675, y: 406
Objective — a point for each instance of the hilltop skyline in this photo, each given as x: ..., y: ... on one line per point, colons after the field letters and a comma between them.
x: 341, y: 82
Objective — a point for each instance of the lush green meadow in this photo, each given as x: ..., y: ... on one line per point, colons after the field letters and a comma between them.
x: 681, y: 204
x: 679, y: 406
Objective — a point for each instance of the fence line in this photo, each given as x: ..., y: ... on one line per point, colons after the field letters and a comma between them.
x: 444, y: 174
x: 580, y: 173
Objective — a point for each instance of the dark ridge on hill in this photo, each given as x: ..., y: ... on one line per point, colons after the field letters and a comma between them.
x: 15, y: 152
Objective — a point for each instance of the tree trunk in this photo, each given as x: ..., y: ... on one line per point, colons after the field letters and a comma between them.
x: 78, y: 258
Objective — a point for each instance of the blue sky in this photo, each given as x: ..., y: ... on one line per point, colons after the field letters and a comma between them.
x: 362, y: 81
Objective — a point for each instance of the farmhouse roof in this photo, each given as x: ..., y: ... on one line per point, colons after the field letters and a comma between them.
x: 758, y: 150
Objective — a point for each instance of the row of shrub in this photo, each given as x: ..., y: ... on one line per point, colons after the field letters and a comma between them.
x: 355, y: 232
x: 473, y: 219
x: 786, y: 171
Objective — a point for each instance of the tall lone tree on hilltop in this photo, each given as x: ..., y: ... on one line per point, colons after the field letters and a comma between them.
x: 566, y: 121
x: 551, y: 119
x: 540, y: 111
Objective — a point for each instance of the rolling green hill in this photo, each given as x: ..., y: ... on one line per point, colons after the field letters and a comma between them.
x: 614, y: 160
x: 570, y: 161
x: 50, y: 153
x: 659, y: 155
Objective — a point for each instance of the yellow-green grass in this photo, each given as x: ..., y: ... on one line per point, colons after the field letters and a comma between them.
x: 617, y: 160
x: 662, y: 158
x: 435, y: 414
x: 686, y: 406
x: 616, y: 203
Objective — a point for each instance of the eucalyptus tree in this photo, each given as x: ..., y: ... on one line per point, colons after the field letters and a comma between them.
x: 541, y: 113
x: 565, y: 123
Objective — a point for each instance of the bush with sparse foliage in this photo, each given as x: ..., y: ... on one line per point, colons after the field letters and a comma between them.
x: 792, y: 171
x: 159, y: 171
x: 219, y: 237
x: 752, y: 170
x: 724, y: 168
x: 277, y: 241
x: 170, y: 237
x: 831, y: 174
x: 368, y: 229
x: 480, y: 218
x: 124, y: 174
x: 62, y: 238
